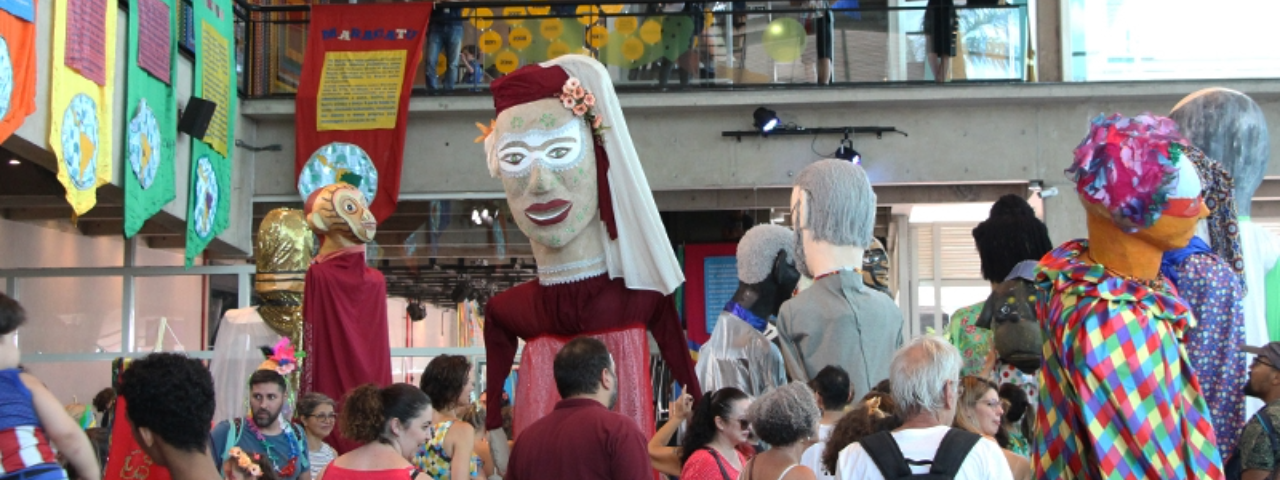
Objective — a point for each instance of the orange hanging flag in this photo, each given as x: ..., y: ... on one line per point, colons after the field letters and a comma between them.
x: 17, y: 71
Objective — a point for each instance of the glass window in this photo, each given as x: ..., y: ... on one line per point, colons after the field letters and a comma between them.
x: 169, y: 307
x: 71, y: 315
x: 1114, y: 40
x: 88, y: 380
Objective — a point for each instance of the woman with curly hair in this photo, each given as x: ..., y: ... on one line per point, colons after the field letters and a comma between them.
x: 876, y: 413
x: 718, y: 433
x: 392, y: 423
x: 786, y: 419
x: 449, y: 454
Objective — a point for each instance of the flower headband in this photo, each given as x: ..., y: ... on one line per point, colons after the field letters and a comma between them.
x: 1130, y: 166
x: 575, y: 98
x: 282, y: 357
x: 249, y: 465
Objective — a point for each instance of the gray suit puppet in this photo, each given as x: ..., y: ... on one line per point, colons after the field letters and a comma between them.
x: 839, y: 320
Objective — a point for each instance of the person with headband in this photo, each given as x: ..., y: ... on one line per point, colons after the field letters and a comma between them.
x: 265, y: 431
x: 575, y: 186
x: 1118, y: 397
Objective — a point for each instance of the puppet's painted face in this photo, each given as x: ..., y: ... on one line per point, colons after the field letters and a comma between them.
x: 340, y: 211
x: 547, y: 161
x: 1010, y: 315
x: 1177, y: 223
x: 875, y: 267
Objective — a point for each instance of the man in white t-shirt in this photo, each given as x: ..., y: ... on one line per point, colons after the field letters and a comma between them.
x: 926, y: 375
x: 831, y: 386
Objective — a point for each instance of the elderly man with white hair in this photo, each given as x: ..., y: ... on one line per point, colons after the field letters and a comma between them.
x: 926, y: 378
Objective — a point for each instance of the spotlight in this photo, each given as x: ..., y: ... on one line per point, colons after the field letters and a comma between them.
x: 417, y: 312
x: 485, y: 214
x: 14, y: 161
x: 846, y: 152
x: 765, y: 120
x: 475, y: 217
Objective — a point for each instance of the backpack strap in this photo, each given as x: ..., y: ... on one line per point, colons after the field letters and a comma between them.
x: 233, y: 437
x: 952, y: 452
x: 884, y: 451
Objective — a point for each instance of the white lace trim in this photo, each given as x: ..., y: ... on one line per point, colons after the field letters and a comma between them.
x: 595, y: 272
x: 571, y: 265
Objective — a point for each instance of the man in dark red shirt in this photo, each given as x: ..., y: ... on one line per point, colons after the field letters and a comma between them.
x: 581, y: 438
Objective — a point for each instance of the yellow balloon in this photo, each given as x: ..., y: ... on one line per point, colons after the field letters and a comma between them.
x: 557, y: 49
x: 651, y: 31
x: 490, y: 41
x: 442, y: 63
x: 519, y: 38
x: 597, y: 36
x: 588, y: 14
x: 632, y: 49
x: 513, y: 14
x: 551, y: 28
x: 538, y: 10
x: 612, y: 9
x: 481, y: 23
x: 784, y: 40
x: 625, y: 25
x: 506, y: 61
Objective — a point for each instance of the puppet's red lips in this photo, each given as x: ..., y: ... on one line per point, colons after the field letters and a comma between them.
x: 549, y: 213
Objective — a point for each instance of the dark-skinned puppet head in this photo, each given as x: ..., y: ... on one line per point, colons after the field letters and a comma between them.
x: 1009, y: 243
x: 767, y: 272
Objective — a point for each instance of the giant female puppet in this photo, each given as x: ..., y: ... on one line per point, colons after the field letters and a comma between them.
x: 1119, y: 399
x: 345, y: 302
x: 605, y: 266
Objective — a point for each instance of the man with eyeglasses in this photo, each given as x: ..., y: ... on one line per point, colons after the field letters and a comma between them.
x: 1257, y: 454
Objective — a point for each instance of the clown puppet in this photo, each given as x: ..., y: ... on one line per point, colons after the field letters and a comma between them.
x: 1119, y: 398
x: 344, y: 303
x: 606, y: 269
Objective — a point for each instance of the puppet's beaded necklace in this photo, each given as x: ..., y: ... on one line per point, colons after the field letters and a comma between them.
x: 292, y: 465
x: 1156, y: 284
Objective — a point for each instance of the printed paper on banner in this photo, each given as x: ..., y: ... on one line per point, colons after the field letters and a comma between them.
x: 86, y: 47
x: 360, y: 90
x: 155, y: 38
x: 80, y: 107
x: 217, y: 84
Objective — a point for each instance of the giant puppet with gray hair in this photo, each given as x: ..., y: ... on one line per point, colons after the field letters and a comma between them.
x: 574, y: 183
x: 1231, y: 129
x: 839, y: 320
x: 739, y: 353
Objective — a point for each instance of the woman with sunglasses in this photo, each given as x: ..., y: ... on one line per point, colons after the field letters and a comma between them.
x: 717, y: 443
x: 315, y: 413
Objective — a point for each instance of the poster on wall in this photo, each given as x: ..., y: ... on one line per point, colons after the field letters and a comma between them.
x: 17, y: 64
x: 151, y: 112
x: 209, y: 192
x: 81, y: 88
x: 711, y: 279
x: 353, y: 97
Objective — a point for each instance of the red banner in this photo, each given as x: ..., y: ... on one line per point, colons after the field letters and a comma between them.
x: 353, y: 97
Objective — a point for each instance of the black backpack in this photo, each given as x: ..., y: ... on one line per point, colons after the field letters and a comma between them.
x: 1234, y: 469
x: 886, y: 454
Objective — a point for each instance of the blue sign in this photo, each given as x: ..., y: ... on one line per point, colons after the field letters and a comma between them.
x: 720, y: 278
x: 19, y: 8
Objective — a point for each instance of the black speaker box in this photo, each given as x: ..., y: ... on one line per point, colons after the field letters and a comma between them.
x: 195, y: 119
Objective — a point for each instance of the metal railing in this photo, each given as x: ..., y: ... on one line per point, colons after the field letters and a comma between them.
x: 668, y: 46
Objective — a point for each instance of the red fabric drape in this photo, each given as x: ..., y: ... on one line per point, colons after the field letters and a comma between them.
x: 126, y: 459
x: 361, y: 28
x: 345, y: 331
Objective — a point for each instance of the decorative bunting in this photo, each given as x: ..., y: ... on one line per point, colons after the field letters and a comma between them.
x: 209, y: 199
x: 17, y: 64
x: 80, y: 96
x: 151, y: 138
x: 353, y: 97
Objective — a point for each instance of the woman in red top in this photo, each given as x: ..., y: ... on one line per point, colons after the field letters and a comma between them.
x: 391, y: 423
x: 718, y: 435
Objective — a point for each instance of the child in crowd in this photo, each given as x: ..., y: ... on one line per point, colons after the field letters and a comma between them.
x: 32, y: 415
x: 242, y: 465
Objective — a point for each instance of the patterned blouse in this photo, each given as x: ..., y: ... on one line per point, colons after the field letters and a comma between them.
x: 1119, y: 399
x: 973, y: 342
x: 434, y: 461
x: 1214, y: 292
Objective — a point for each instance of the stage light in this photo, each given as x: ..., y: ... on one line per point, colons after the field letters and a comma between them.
x: 765, y: 120
x: 475, y: 217
x: 846, y: 152
x: 14, y: 161
x: 416, y: 311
